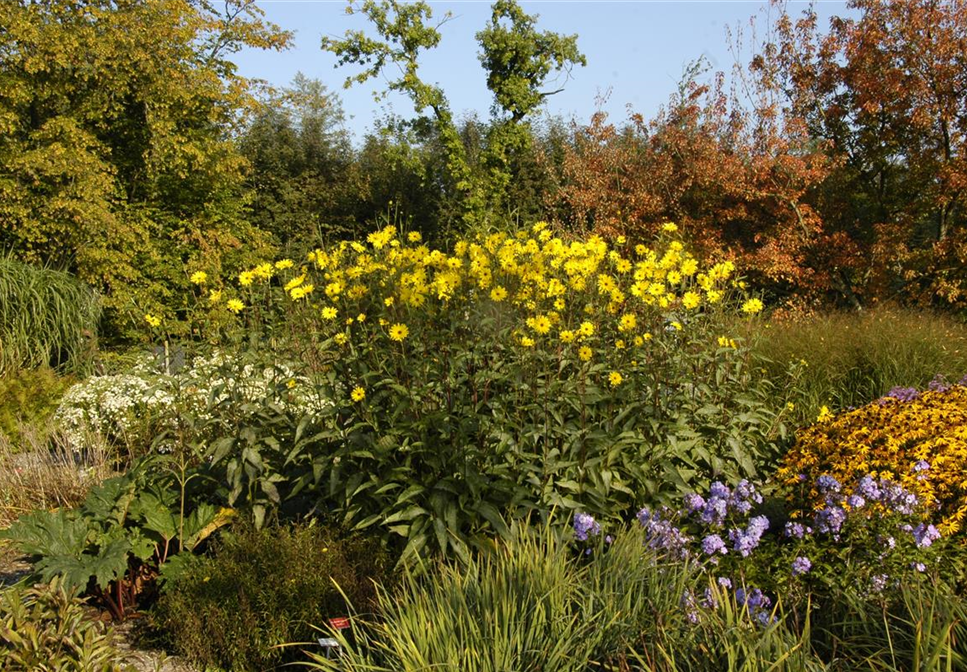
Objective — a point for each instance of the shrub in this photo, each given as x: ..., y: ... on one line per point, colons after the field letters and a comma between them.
x: 47, y: 318
x: 28, y: 397
x: 918, y: 439
x: 519, y: 373
x: 45, y: 628
x: 261, y: 589
x: 844, y: 360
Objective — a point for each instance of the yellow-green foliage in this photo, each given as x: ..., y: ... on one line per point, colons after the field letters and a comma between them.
x: 886, y: 439
x: 29, y: 397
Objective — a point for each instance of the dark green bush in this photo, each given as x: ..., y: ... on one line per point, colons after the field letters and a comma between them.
x: 263, y: 588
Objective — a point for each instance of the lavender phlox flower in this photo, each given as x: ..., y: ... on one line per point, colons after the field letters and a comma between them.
x: 585, y: 525
x: 714, y: 511
x: 868, y: 488
x: 744, y: 496
x: 856, y: 501
x: 938, y: 384
x: 745, y: 541
x: 827, y: 484
x: 713, y: 544
x: 904, y: 394
x: 963, y: 381
x: 661, y: 534
x: 925, y: 535
x: 724, y: 582
x: 919, y: 566
x: 830, y: 519
x: 878, y: 582
x: 920, y: 469
x: 709, y: 601
x: 795, y: 530
x: 801, y: 565
x: 719, y: 490
x: 894, y: 496
x: 694, y: 502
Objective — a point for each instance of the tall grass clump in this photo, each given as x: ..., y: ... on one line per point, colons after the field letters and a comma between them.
x: 47, y: 318
x: 844, y: 360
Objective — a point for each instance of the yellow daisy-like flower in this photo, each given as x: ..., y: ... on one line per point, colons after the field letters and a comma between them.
x: 677, y: 326
x: 825, y: 415
x: 691, y: 300
x: 614, y: 379
x: 752, y: 306
x: 669, y: 227
x: 301, y: 292
x: 398, y: 332
x: 541, y: 324
x: 628, y: 322
x: 291, y: 383
x: 361, y: 317
x: 619, y: 344
x: 414, y: 236
x: 198, y: 278
x: 527, y: 341
x: 152, y: 320
x: 235, y: 306
x: 388, y: 301
x: 584, y: 354
x: 358, y: 394
x: 586, y: 330
x: 245, y: 278
x: 283, y: 264
x: 639, y: 341
x: 498, y: 293
x: 215, y: 295
x: 340, y: 339
x: 567, y: 336
x: 330, y: 313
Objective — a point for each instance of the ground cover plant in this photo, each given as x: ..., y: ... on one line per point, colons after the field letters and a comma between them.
x: 46, y: 628
x: 264, y: 588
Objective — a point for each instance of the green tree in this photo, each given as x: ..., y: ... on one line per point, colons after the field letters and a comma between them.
x: 116, y: 156
x: 304, y: 176
x: 518, y: 60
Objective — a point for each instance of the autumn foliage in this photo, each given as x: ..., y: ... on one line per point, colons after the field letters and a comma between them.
x: 833, y: 169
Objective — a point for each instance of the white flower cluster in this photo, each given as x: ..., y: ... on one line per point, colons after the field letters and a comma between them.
x: 131, y: 407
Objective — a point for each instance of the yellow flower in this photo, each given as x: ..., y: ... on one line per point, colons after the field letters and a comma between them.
x: 245, y: 278
x: 527, y: 341
x: 498, y: 293
x: 677, y: 326
x: 152, y: 320
x: 628, y: 322
x: 619, y: 344
x: 639, y: 341
x: 361, y: 317
x: 301, y: 292
x: 215, y: 295
x: 723, y: 341
x: 330, y: 313
x: 414, y: 236
x: 790, y: 406
x: 586, y: 330
x: 584, y: 353
x: 752, y: 306
x: 283, y: 264
x: 669, y: 227
x: 567, y: 336
x: 235, y: 305
x: 294, y: 282
x: 824, y: 414
x: 691, y: 300
x: 398, y: 332
x: 340, y: 338
x: 541, y: 324
x: 622, y: 240
x: 358, y: 394
x: 388, y: 301
x: 199, y: 277
x: 291, y: 383
x: 614, y: 379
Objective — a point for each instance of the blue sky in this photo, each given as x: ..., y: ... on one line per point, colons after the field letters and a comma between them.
x: 637, y: 51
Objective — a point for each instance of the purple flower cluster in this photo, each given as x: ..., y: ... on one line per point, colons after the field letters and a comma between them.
x: 938, y: 384
x: 796, y: 530
x: 924, y: 535
x: 745, y: 541
x: 713, y: 544
x: 585, y: 525
x: 758, y: 604
x: 903, y: 394
x: 662, y: 535
x: 722, y: 501
x: 801, y: 565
